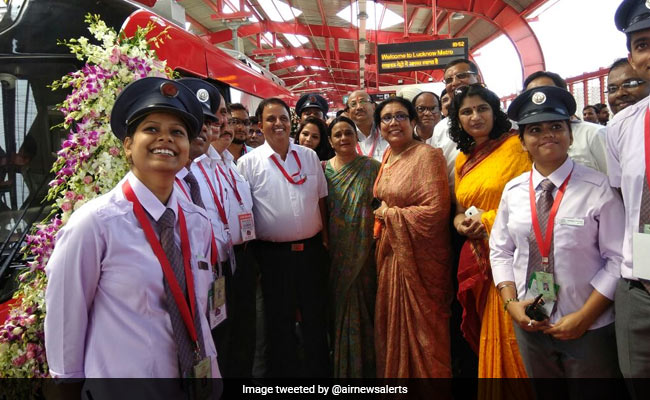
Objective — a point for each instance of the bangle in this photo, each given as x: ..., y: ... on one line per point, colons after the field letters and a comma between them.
x: 510, y: 300
x: 504, y: 285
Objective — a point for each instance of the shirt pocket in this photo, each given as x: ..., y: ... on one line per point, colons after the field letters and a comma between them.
x: 202, y: 280
x: 575, y: 232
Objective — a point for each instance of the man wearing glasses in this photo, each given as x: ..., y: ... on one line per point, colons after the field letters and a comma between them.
x: 255, y: 135
x: 624, y: 87
x: 361, y: 111
x: 239, y: 123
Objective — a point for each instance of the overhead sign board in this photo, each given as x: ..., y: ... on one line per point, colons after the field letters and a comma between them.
x: 417, y: 56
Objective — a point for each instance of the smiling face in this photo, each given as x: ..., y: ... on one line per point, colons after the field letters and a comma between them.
x: 459, y: 75
x: 589, y: 115
x: 276, y: 126
x: 343, y: 139
x: 476, y: 118
x: 547, y: 142
x: 428, y: 111
x: 398, y: 134
x: 160, y: 144
x: 199, y: 145
x: 620, y: 97
x: 309, y: 136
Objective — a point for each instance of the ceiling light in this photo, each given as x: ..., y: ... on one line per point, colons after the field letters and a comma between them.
x: 457, y: 16
x: 300, y: 68
x: 372, y: 9
x: 278, y: 11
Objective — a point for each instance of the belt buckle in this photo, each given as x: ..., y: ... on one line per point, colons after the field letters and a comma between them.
x: 297, y: 246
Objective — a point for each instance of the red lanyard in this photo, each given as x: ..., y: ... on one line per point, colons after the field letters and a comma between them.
x: 187, y: 313
x: 220, y: 209
x: 233, y: 185
x: 372, y: 149
x: 647, y: 144
x: 214, y: 250
x: 544, y: 242
x: 286, y: 174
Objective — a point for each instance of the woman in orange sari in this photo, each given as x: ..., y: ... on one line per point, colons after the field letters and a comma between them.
x: 491, y: 155
x: 413, y: 258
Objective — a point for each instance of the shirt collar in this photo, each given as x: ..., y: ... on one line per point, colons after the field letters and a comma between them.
x: 557, y: 177
x: 209, y: 159
x: 267, y: 151
x: 149, y: 201
x: 182, y: 173
x: 227, y: 156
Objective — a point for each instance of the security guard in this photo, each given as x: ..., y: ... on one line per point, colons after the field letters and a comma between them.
x: 140, y: 251
x: 312, y: 105
x: 627, y: 165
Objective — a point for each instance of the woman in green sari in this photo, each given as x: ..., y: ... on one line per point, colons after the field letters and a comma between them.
x: 353, y: 275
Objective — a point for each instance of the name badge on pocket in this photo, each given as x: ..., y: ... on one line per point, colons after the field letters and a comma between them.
x: 247, y: 226
x: 572, y: 221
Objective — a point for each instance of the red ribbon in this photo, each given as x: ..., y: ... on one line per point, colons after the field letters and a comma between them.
x: 220, y: 209
x: 544, y: 242
x: 214, y: 250
x: 233, y: 185
x: 286, y: 174
x: 187, y: 312
x: 372, y: 149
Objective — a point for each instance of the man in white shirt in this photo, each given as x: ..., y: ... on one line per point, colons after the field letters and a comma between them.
x: 588, y: 147
x: 627, y: 164
x: 289, y: 189
x: 362, y: 108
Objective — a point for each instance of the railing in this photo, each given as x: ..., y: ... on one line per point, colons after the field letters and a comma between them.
x: 588, y: 88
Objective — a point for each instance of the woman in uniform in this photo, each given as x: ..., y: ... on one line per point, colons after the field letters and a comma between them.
x: 558, y: 234
x: 130, y: 273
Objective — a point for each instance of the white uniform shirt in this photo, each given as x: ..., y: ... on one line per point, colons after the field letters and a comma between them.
x: 284, y: 212
x: 588, y: 147
x: 586, y: 257
x: 626, y: 169
x: 106, y: 303
x: 233, y: 207
x: 441, y: 140
x: 366, y: 144
x: 209, y: 163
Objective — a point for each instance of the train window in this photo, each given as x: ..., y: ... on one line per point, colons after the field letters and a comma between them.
x: 28, y: 143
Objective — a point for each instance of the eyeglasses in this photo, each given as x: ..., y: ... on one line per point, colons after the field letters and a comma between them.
x: 387, y: 119
x: 361, y: 102
x: 631, y: 84
x: 423, y: 109
x: 460, y: 76
x: 237, y: 121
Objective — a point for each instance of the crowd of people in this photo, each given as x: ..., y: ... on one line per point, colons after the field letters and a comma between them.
x: 235, y: 249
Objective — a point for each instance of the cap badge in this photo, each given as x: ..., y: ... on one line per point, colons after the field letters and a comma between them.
x: 539, y: 98
x: 168, y: 89
x: 312, y: 99
x: 202, y: 95
x: 647, y: 4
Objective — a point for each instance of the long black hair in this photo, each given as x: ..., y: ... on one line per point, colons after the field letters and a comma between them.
x: 464, y: 141
x: 324, y: 149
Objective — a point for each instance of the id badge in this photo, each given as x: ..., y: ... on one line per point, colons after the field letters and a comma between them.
x: 247, y: 226
x: 219, y: 292
x: 202, y: 384
x: 545, y: 285
x: 641, y: 254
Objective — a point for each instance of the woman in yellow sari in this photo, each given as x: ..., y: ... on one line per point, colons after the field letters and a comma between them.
x: 491, y: 155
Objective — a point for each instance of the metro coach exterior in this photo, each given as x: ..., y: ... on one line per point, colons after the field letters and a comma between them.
x: 30, y: 60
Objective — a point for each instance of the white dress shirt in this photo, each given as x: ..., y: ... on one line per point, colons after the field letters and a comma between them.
x: 284, y: 212
x: 441, y: 140
x: 626, y: 169
x: 232, y: 205
x: 106, y: 303
x: 587, y: 237
x: 588, y: 147
x: 366, y: 143
x: 209, y: 162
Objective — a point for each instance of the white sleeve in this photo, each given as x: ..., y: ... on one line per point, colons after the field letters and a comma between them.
x: 613, y: 160
x: 73, y: 272
x: 502, y: 247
